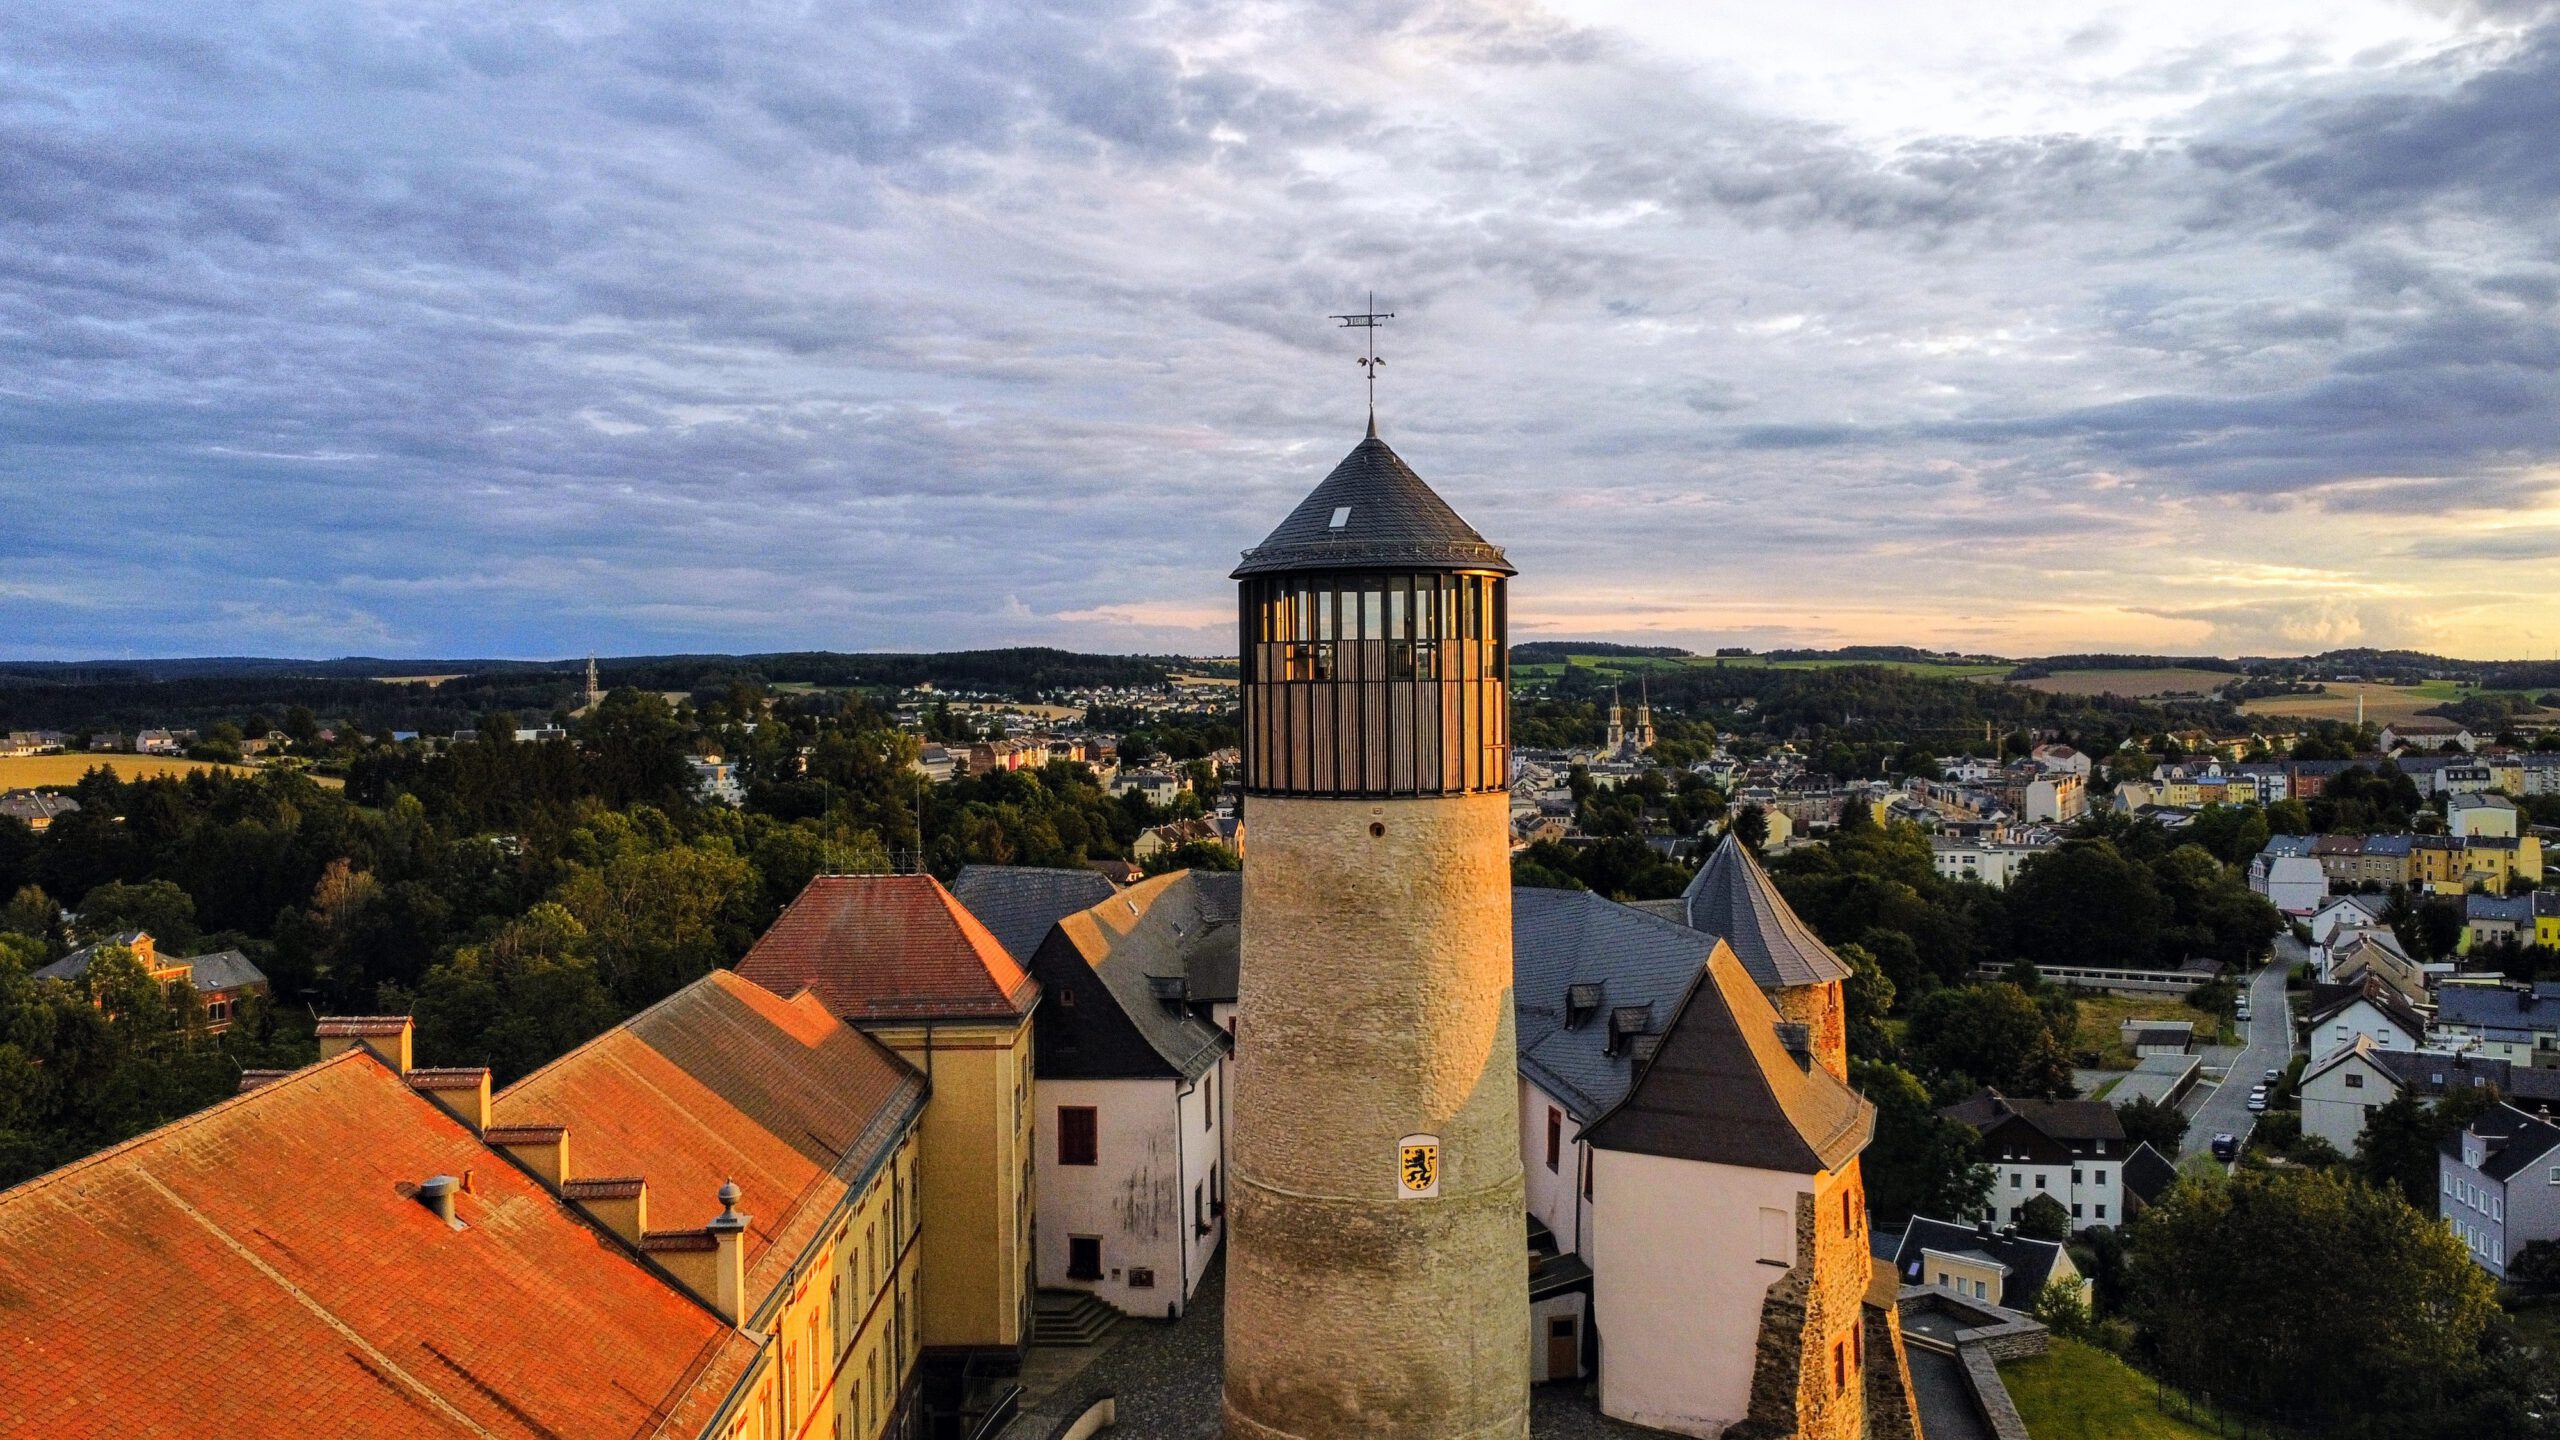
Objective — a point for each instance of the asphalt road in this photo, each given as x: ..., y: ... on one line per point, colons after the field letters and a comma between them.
x: 2225, y: 1110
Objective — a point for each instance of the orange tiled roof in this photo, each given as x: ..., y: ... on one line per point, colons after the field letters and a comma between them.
x: 725, y: 1080
x: 261, y: 1269
x: 889, y: 947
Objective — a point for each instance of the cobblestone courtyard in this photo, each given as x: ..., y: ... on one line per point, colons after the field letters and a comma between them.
x: 1166, y: 1378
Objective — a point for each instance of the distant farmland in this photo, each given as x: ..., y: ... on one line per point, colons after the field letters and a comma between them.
x: 2132, y: 684
x: 23, y: 771
x: 2383, y: 704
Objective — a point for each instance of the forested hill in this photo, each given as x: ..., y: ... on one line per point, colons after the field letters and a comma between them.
x: 195, y: 693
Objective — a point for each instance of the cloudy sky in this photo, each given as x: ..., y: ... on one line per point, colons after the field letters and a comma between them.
x: 530, y: 329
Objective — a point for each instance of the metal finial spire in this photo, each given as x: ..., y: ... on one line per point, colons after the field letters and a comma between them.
x: 1370, y: 362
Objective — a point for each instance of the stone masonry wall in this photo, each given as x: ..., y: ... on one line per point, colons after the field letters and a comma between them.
x: 1893, y: 1410
x: 1823, y: 1011
x: 1374, y: 1002
x: 1820, y: 1300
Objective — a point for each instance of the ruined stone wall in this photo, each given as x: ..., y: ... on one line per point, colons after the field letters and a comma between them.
x: 1374, y: 1002
x: 1893, y: 1410
x: 1820, y: 1303
x: 1823, y: 1011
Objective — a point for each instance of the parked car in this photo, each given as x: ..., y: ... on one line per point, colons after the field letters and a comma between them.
x: 2241, y: 1014
x: 2274, y: 1075
x: 2257, y: 1100
x: 2226, y: 1147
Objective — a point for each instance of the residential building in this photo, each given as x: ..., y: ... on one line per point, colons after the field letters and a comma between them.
x: 2490, y: 919
x: 2338, y: 855
x: 37, y: 809
x: 2071, y: 1150
x: 2499, y: 862
x: 1992, y: 862
x: 2546, y: 919
x: 2498, y: 1184
x: 2367, y: 1008
x: 1133, y: 1084
x: 716, y: 780
x: 898, y: 958
x: 2427, y: 732
x: 2376, y: 952
x: 2502, y: 1022
x: 1158, y: 787
x: 221, y: 980
x: 1731, y: 1270
x: 726, y: 1094
x: 2060, y: 798
x: 2341, y: 1091
x: 2293, y: 883
x: 2386, y: 861
x: 2469, y: 815
x: 2345, y: 912
x: 1979, y: 1261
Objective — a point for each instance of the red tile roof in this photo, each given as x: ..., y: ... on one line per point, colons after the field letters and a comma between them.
x: 262, y: 1269
x: 889, y: 947
x: 725, y: 1080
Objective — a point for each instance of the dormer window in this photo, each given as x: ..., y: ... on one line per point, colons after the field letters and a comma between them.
x: 1581, y: 1002
x: 1170, y: 991
x: 1625, y: 1023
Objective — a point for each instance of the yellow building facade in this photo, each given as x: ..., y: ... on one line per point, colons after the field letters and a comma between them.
x: 979, y: 1183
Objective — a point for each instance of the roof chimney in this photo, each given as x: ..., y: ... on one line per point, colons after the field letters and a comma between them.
x: 710, y: 1262
x: 387, y: 1036
x: 436, y: 1193
x: 730, y: 1229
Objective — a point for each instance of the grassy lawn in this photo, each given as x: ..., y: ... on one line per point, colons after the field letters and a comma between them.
x: 2078, y: 1392
x: 2102, y: 1018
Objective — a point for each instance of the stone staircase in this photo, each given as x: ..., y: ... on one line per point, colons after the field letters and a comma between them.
x: 1069, y: 1317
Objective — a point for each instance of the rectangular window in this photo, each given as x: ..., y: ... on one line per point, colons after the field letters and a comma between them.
x: 2354, y: 1081
x: 1839, y: 1366
x: 2075, y: 1210
x: 1848, y: 1225
x: 1084, y: 1257
x: 1076, y: 1132
x: 2016, y: 1179
x: 1777, y: 1237
x: 1555, y: 1138
x: 2039, y: 1181
x: 2075, y: 1177
x: 2102, y: 1212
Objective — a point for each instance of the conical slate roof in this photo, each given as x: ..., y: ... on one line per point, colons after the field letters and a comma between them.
x: 1734, y: 899
x: 1388, y: 519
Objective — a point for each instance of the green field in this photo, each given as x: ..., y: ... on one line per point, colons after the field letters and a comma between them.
x: 2383, y: 704
x: 2079, y: 1392
x: 1640, y: 664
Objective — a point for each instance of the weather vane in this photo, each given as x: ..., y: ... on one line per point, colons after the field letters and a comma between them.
x: 1370, y: 363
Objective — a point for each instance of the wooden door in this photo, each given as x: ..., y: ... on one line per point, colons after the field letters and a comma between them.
x: 1564, y: 1356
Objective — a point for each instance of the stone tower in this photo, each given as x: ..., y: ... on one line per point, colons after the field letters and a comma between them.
x: 1376, y: 1281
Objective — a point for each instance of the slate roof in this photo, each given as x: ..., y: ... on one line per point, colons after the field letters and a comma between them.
x: 1723, y: 1088
x: 2496, y: 1005
x: 1733, y: 899
x: 2056, y: 1119
x: 2030, y: 1262
x: 1214, y: 960
x: 1395, y: 522
x: 2148, y: 1174
x: 2507, y: 909
x: 1562, y: 938
x: 221, y: 970
x: 2326, y: 999
x: 1141, y: 935
x: 2434, y: 1073
x: 725, y: 1080
x: 1020, y: 902
x: 2524, y: 1141
x: 34, y: 805
x: 890, y: 947
x: 262, y: 1269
